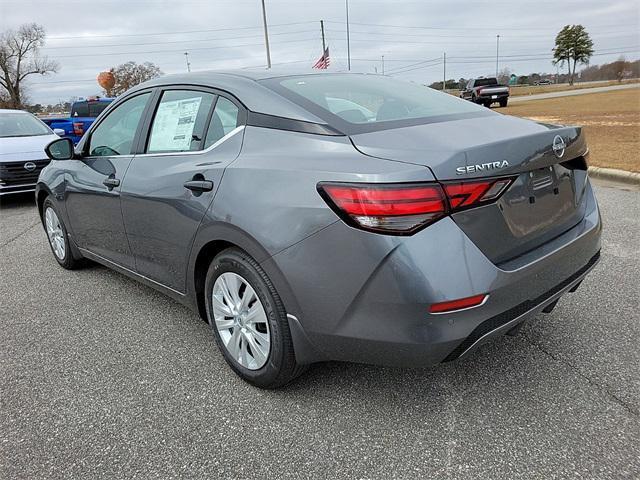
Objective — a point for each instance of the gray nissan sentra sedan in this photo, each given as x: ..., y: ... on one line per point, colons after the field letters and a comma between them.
x: 312, y: 217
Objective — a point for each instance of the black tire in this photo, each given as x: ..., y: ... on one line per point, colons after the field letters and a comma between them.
x: 503, y: 103
x: 68, y: 260
x: 281, y: 366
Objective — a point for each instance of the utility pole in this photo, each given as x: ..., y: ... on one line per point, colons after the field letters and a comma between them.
x: 186, y: 57
x: 444, y: 71
x: 322, y: 31
x: 383, y: 65
x: 266, y: 35
x: 497, y: 53
x: 348, y: 39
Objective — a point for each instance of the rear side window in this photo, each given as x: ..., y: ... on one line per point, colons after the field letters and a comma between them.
x: 114, y: 135
x: 80, y: 109
x: 179, y: 122
x: 96, y: 108
x: 223, y: 121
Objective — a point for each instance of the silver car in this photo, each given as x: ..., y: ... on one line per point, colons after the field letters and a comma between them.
x: 22, y: 140
x: 313, y: 217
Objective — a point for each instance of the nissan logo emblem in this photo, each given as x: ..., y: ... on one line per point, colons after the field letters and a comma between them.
x: 29, y: 166
x: 558, y: 146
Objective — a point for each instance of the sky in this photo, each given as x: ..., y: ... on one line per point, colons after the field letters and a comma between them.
x: 87, y: 37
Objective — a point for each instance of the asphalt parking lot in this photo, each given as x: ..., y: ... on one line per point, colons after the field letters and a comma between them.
x: 101, y: 377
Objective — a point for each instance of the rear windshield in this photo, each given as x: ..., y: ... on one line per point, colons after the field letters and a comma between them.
x: 21, y: 124
x: 485, y: 82
x: 357, y: 103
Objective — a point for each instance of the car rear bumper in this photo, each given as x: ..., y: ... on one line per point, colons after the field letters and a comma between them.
x: 495, y: 97
x: 363, y: 297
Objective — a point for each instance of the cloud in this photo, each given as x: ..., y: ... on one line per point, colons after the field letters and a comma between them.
x: 226, y: 34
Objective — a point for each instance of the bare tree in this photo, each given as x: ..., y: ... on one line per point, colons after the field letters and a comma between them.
x: 19, y: 58
x: 130, y: 74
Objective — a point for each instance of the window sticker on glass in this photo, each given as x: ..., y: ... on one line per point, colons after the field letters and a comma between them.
x: 173, y: 125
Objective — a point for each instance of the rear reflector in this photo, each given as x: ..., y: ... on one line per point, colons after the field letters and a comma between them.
x: 78, y: 128
x: 460, y: 304
x: 404, y: 208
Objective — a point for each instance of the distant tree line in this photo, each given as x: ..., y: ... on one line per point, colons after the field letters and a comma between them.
x: 619, y: 70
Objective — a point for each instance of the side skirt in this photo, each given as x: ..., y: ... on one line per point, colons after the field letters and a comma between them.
x: 170, y: 292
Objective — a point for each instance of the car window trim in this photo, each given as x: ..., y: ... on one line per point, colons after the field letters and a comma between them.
x: 228, y: 136
x: 242, y: 117
x: 86, y: 141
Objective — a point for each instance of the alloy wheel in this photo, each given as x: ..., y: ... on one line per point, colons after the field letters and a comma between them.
x: 241, y: 321
x: 55, y: 233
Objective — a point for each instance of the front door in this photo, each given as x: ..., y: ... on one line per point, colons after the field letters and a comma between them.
x: 94, y: 183
x: 193, y: 136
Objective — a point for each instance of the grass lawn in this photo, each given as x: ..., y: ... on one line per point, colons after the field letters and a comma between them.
x: 611, y: 121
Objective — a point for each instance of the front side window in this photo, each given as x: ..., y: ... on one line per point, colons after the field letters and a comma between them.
x: 179, y: 122
x: 223, y: 121
x: 114, y: 135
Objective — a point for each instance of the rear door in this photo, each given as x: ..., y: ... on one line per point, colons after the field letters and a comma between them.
x: 193, y: 135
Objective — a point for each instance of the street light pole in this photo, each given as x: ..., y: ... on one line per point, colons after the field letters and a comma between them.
x: 266, y: 35
x: 444, y: 71
x: 348, y: 39
x: 383, y: 64
x: 497, y: 53
x: 186, y: 57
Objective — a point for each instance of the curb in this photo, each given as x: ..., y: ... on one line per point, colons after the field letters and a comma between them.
x: 615, y: 175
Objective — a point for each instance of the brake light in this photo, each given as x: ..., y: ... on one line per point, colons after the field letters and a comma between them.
x: 404, y: 208
x: 78, y: 128
x: 474, y: 193
x: 459, y: 304
x: 394, y: 208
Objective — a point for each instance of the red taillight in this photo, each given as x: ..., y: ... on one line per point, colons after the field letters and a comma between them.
x: 78, y: 128
x: 473, y: 193
x: 394, y: 208
x: 404, y: 208
x: 459, y: 304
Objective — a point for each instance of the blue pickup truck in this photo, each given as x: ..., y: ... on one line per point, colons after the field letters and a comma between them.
x: 83, y: 113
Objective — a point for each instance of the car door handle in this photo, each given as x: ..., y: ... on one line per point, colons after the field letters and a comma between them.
x: 199, y: 185
x: 111, y: 182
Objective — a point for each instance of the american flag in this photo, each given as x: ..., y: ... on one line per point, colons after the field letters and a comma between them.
x: 324, y: 61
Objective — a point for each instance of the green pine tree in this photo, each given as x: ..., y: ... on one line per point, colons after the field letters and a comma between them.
x: 573, y: 44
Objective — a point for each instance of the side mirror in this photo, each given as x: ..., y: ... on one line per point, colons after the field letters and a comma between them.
x: 60, y: 149
x: 59, y: 131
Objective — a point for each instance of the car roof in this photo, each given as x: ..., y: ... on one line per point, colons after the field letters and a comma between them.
x: 11, y: 110
x: 246, y: 87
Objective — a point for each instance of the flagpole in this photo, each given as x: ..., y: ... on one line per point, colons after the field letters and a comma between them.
x: 322, y: 30
x: 266, y: 35
x: 348, y: 39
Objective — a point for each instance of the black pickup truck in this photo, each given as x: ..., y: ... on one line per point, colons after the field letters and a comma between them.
x: 486, y: 91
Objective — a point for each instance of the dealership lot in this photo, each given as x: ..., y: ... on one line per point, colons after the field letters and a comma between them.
x: 103, y: 377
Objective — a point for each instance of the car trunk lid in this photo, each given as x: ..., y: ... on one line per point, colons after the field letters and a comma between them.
x: 545, y: 198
